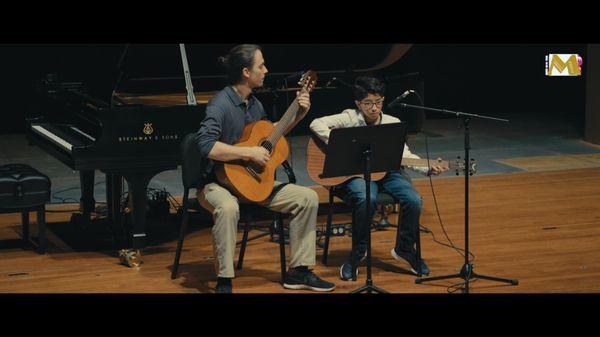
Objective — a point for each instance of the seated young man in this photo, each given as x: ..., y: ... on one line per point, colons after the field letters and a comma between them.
x: 369, y: 97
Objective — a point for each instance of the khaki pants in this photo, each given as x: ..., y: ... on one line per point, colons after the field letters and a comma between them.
x: 300, y: 202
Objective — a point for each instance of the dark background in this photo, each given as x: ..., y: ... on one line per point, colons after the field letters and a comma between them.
x: 489, y: 79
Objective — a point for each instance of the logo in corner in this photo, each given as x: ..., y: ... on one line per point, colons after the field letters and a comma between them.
x: 563, y: 65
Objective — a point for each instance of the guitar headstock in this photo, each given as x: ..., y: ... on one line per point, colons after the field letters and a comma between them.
x: 459, y: 166
x: 308, y: 81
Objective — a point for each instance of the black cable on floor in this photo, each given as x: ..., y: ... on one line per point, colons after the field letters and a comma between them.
x: 459, y: 250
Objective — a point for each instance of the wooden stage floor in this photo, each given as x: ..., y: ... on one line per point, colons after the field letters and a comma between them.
x: 542, y: 228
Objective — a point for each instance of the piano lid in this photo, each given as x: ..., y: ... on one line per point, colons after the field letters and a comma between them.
x: 149, y: 68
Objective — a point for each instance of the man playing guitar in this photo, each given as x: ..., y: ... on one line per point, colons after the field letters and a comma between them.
x: 369, y: 97
x: 227, y: 114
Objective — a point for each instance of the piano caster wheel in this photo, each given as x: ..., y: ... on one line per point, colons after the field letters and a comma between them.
x: 130, y: 258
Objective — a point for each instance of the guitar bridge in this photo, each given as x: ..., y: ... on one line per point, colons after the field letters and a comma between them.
x: 253, y: 173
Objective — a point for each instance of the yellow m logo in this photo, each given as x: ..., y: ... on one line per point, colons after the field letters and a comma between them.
x: 556, y: 63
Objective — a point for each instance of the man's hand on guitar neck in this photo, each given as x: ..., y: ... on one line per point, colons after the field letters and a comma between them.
x: 303, y: 101
x: 304, y: 104
x: 438, y: 169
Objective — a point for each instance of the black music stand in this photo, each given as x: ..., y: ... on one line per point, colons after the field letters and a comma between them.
x: 363, y: 150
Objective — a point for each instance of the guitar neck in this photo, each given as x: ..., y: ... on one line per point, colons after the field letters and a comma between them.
x: 307, y: 82
x: 285, y: 122
x: 423, y: 162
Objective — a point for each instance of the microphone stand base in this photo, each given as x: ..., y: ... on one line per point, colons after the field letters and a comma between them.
x: 467, y: 273
x: 369, y: 289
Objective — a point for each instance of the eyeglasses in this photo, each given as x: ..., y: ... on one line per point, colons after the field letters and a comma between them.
x: 369, y: 104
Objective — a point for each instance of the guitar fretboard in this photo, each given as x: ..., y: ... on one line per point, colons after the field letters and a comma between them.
x: 423, y: 162
x: 285, y: 121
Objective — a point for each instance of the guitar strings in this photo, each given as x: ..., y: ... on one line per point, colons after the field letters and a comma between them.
x: 285, y: 120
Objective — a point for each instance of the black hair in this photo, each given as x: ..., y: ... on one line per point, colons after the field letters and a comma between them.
x: 239, y: 57
x: 364, y: 85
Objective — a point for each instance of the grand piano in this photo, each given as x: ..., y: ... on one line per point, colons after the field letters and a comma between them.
x: 132, y: 135
x: 133, y: 129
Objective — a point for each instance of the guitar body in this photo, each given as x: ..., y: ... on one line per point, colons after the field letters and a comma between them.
x: 237, y: 176
x: 249, y: 181
x: 315, y: 160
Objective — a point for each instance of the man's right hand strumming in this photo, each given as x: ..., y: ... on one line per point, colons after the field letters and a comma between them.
x: 225, y: 152
x: 258, y: 154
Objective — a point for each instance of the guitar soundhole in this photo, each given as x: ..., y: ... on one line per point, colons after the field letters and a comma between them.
x: 267, y: 145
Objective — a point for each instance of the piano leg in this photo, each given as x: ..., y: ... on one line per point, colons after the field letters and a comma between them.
x: 138, y: 183
x: 87, y: 204
x: 113, y: 207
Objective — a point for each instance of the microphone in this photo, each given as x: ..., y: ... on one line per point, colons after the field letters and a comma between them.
x: 284, y: 80
x: 333, y: 79
x: 294, y: 75
x: 338, y: 80
x: 400, y: 98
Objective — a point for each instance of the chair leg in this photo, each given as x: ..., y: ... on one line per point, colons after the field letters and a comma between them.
x: 418, y: 239
x: 423, y: 228
x: 25, y: 226
x: 328, y: 228
x: 281, y: 247
x: 394, y: 205
x: 182, y: 232
x: 383, y: 222
x: 244, y: 242
x: 41, y: 218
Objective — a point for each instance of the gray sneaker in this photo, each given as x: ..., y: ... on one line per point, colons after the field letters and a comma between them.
x: 306, y: 279
x: 410, y: 261
x: 346, y: 267
x: 346, y: 270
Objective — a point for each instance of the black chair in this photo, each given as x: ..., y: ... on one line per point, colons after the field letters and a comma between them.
x: 192, y: 174
x: 383, y: 200
x: 23, y: 189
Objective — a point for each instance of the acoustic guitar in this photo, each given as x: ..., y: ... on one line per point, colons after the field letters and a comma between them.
x: 250, y: 181
x: 315, y: 160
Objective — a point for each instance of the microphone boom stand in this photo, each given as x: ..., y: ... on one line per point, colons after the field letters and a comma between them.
x: 466, y: 272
